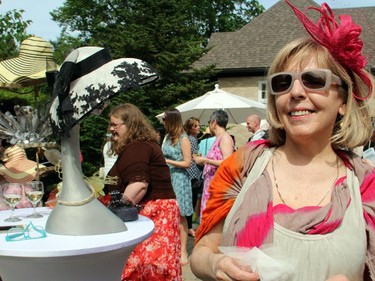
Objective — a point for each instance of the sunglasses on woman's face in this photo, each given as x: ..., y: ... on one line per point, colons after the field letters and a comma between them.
x: 311, y: 80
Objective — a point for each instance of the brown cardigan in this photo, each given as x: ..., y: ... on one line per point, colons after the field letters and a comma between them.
x: 143, y: 161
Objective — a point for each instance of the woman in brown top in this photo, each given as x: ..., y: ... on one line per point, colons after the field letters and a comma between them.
x: 144, y: 179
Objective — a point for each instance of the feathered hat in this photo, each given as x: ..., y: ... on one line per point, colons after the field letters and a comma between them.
x: 27, y: 126
x: 341, y: 39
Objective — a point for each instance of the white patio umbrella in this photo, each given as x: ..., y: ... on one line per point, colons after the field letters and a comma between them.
x: 237, y: 107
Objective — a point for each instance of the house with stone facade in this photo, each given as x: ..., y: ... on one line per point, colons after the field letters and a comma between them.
x: 243, y: 57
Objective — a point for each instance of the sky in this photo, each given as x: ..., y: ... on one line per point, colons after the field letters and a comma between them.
x: 42, y: 25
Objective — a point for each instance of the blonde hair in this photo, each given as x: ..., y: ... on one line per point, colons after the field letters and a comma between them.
x: 351, y: 130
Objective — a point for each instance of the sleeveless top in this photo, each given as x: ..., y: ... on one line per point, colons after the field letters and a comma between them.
x: 210, y: 170
x: 340, y: 252
x: 319, y: 256
x: 180, y: 178
x: 213, y: 154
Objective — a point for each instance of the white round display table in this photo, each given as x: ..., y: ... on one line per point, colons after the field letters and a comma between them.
x: 63, y: 257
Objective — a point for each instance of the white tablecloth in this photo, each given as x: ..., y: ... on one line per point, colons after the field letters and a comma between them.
x: 62, y: 257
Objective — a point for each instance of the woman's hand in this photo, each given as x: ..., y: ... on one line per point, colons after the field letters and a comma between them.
x: 207, y: 263
x: 202, y: 160
x: 199, y: 159
x: 227, y: 268
x: 339, y: 277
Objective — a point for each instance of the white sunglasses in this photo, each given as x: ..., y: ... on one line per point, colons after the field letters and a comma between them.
x: 311, y: 79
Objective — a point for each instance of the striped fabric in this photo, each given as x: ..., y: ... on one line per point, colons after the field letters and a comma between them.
x: 17, y: 167
x: 29, y: 68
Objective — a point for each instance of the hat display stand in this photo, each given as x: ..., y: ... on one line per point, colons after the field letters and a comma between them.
x: 87, y: 79
x: 78, y: 212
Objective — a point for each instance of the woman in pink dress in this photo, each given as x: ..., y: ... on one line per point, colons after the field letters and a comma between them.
x: 221, y: 149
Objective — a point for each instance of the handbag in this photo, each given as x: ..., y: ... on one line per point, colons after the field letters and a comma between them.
x: 198, y: 184
x: 126, y: 211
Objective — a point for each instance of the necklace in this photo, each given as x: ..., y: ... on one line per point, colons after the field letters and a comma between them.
x: 325, y: 195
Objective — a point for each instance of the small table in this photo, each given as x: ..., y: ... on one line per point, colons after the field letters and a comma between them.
x: 63, y: 257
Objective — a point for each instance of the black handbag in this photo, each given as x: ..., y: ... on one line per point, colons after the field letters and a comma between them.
x: 126, y: 211
x: 197, y: 184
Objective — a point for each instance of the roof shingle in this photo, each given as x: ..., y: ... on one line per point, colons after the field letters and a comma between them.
x: 256, y: 44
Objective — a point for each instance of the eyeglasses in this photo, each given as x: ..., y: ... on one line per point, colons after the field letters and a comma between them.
x: 25, y: 233
x: 311, y: 79
x: 115, y: 126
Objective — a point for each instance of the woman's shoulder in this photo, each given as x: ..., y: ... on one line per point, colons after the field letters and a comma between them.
x: 184, y: 138
x: 142, y: 150
x: 250, y: 151
x: 255, y: 146
x: 226, y: 135
x: 134, y: 146
x: 193, y: 139
x: 363, y: 168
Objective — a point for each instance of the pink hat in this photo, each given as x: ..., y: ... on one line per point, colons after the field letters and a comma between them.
x: 17, y: 167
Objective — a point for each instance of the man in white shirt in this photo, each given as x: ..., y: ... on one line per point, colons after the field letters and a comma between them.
x: 253, y: 125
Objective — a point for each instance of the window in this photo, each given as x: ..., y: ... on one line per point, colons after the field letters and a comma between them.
x: 262, y: 91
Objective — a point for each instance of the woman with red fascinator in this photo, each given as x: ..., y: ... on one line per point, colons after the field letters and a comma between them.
x: 301, y: 205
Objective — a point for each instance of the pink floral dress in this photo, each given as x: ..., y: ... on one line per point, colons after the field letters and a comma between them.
x: 210, y: 170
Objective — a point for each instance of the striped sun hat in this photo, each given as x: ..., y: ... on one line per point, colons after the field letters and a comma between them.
x: 17, y: 167
x: 30, y: 67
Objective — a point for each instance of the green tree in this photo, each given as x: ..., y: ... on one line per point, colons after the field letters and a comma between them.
x: 168, y: 34
x: 222, y: 15
x: 12, y: 32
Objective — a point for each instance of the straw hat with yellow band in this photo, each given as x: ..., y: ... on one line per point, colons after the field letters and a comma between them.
x: 30, y: 67
x: 17, y: 167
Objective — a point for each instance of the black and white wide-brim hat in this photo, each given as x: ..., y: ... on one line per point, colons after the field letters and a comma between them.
x: 87, y: 78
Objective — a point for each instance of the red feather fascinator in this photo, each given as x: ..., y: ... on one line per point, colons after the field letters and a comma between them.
x: 342, y: 41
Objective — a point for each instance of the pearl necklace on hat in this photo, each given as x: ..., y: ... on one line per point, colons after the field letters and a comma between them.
x: 325, y: 195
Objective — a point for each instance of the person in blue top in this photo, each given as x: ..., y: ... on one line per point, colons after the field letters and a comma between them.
x: 205, y: 142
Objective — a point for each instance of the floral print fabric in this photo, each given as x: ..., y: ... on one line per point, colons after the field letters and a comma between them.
x: 158, y: 257
x: 180, y: 178
x: 209, y: 171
